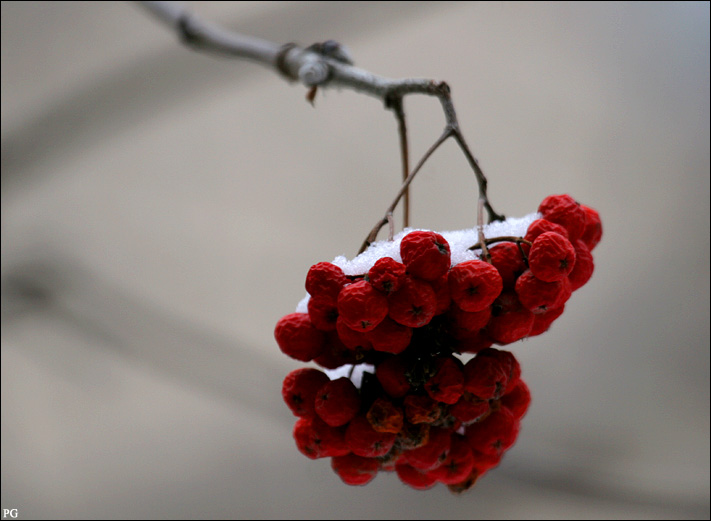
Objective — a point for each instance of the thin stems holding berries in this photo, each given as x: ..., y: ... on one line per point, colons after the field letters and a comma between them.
x: 396, y: 106
x: 374, y: 232
x: 326, y: 64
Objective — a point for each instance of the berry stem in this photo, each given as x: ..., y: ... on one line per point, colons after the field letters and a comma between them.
x: 395, y: 103
x: 480, y: 225
x: 326, y: 64
x: 374, y: 232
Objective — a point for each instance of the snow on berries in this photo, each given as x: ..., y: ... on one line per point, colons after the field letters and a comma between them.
x: 407, y: 335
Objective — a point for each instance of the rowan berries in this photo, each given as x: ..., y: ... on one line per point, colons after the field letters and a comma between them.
x: 298, y: 338
x: 474, y: 285
x: 299, y: 390
x: 390, y: 337
x: 458, y: 463
x: 391, y: 375
x: 592, y: 233
x: 386, y: 275
x: 540, y: 226
x: 337, y: 402
x: 426, y: 255
x: 566, y: 211
x: 361, y: 306
x: 323, y: 313
x: 510, y: 321
x: 409, y: 405
x: 417, y: 479
x: 539, y: 296
x: 508, y: 260
x: 446, y: 385
x: 414, y: 304
x: 552, y: 257
x: 365, y: 441
x: 355, y: 470
x: 584, y: 266
x: 325, y: 280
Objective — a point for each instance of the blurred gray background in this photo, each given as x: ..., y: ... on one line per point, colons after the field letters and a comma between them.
x: 160, y: 210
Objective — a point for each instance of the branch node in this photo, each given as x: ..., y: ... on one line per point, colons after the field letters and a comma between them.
x: 280, y: 61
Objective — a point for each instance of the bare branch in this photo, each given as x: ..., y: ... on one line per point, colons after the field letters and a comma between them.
x: 327, y: 64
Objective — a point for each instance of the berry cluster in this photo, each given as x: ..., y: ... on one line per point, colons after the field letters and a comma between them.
x: 420, y: 411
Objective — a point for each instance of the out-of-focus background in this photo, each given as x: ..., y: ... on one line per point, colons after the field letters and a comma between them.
x: 160, y: 210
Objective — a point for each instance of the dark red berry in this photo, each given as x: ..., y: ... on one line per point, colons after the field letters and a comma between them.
x: 355, y: 470
x: 564, y: 210
x: 425, y: 254
x: 390, y: 337
x: 325, y: 280
x: 584, y: 266
x: 552, y: 257
x: 414, y: 304
x: 298, y: 338
x: 538, y: 296
x: 592, y: 233
x: 337, y: 402
x: 474, y: 285
x: 299, y: 390
x: 365, y: 441
x: 361, y: 306
x: 386, y: 275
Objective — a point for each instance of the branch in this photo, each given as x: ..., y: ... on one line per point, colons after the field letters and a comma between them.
x: 325, y: 64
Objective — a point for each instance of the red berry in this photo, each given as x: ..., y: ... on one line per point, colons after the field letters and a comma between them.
x: 414, y: 304
x: 390, y: 337
x: 485, y: 377
x: 564, y: 210
x: 457, y: 465
x: 507, y: 259
x: 316, y: 439
x: 469, y: 408
x: 384, y: 416
x: 473, y: 343
x: 337, y: 402
x: 509, y: 363
x: 447, y: 383
x: 386, y: 275
x: 298, y: 338
x: 299, y: 390
x: 355, y: 470
x: 543, y: 321
x: 552, y: 257
x: 365, y: 441
x: 441, y: 289
x: 592, y: 233
x: 431, y: 454
x: 335, y: 353
x: 323, y: 313
x: 540, y: 226
x: 495, y: 434
x: 474, y: 285
x: 425, y: 254
x: 584, y: 266
x: 538, y: 296
x: 517, y: 400
x: 510, y: 321
x: 352, y: 339
x: 416, y: 478
x: 325, y: 280
x: 361, y: 306
x: 391, y: 375
x: 463, y: 324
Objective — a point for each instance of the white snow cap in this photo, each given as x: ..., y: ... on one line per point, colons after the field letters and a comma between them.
x: 459, y: 243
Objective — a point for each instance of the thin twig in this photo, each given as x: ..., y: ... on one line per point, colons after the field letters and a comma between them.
x: 374, y: 232
x: 486, y: 257
x: 397, y: 108
x: 503, y: 238
x: 322, y: 65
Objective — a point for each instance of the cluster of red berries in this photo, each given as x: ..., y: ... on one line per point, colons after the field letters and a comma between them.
x: 422, y: 412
